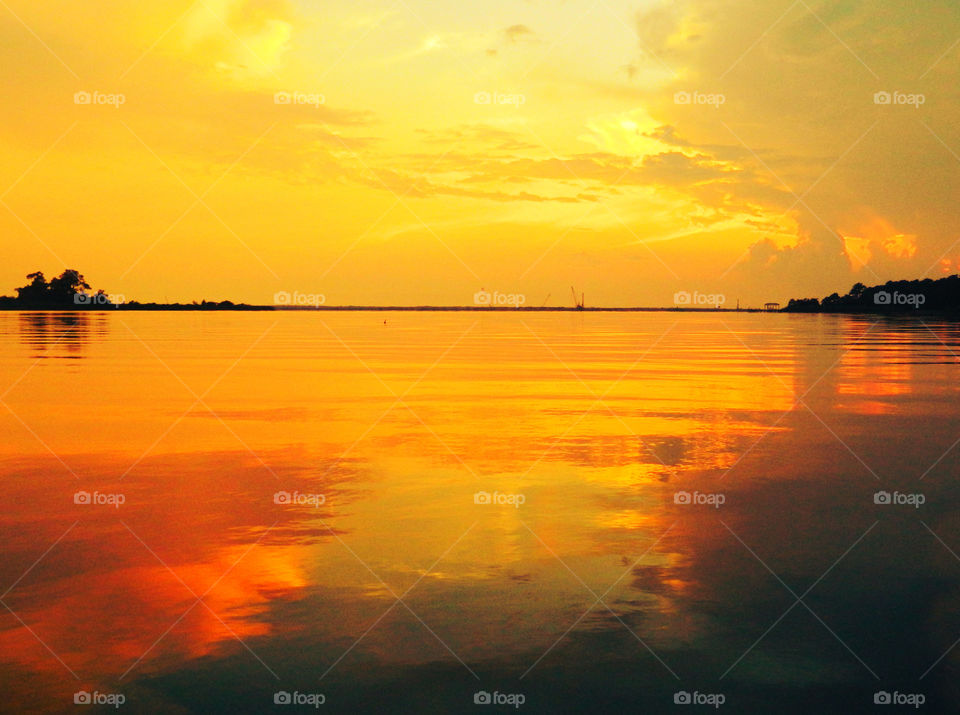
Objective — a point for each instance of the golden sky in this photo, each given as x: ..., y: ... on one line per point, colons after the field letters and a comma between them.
x: 431, y: 149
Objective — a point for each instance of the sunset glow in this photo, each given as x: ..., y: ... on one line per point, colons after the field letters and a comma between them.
x: 421, y: 151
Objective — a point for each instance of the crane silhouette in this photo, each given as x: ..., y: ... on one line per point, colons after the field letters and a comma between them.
x: 577, y: 302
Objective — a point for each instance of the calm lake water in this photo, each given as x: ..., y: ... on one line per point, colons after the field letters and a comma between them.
x: 680, y: 505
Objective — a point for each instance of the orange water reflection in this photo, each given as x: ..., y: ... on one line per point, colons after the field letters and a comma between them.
x: 199, y: 419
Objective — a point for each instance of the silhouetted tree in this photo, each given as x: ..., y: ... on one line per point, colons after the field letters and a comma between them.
x: 35, y: 291
x: 803, y: 305
x: 831, y: 301
x: 64, y: 287
x: 59, y: 292
x: 942, y: 295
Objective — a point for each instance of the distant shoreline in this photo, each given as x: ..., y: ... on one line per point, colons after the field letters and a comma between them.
x: 240, y: 307
x: 243, y: 307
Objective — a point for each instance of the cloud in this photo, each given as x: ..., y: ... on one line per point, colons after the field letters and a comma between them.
x: 239, y: 36
x: 874, y: 240
x: 800, y: 123
x: 493, y: 137
x: 421, y: 187
x: 784, y: 271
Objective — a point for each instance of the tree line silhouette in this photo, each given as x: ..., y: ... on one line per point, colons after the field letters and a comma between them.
x: 941, y: 295
x: 59, y: 292
x: 71, y: 291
